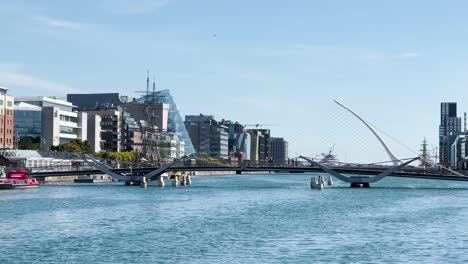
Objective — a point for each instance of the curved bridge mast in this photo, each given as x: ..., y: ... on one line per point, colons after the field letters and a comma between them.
x: 394, y: 159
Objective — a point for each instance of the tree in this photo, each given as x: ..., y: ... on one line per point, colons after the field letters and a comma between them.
x: 75, y: 145
x: 121, y: 156
x: 29, y: 143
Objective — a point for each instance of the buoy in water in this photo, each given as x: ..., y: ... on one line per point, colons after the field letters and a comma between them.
x: 322, y: 180
x: 175, y: 181
x: 183, y: 182
x: 189, y: 180
x: 330, y: 181
x: 313, y: 183
x: 321, y: 183
x: 161, y: 181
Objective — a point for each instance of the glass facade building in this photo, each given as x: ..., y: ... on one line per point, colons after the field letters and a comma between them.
x: 50, y: 119
x: 209, y: 137
x: 279, y: 149
x: 449, y: 129
x: 28, y: 121
x: 175, y: 123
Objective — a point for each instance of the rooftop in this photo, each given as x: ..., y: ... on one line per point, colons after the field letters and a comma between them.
x: 42, y: 99
x: 3, y: 90
x: 26, y: 107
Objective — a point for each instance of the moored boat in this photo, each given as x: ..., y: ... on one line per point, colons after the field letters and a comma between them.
x: 17, y: 179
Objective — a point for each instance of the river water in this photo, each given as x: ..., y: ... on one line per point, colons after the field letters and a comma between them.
x: 237, y: 219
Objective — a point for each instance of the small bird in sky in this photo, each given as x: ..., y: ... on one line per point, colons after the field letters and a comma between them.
x: 214, y: 35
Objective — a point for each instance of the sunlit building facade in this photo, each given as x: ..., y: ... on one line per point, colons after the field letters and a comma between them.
x: 6, y: 119
x: 208, y: 136
x: 279, y: 149
x: 59, y: 124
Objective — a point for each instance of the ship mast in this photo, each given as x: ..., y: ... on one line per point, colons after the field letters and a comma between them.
x: 425, y: 159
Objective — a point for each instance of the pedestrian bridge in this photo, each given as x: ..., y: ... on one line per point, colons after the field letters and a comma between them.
x: 356, y: 176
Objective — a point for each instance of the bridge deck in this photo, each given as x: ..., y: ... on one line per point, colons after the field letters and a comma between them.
x: 351, y: 171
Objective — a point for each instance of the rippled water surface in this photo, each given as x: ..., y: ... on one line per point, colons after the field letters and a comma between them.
x: 237, y: 219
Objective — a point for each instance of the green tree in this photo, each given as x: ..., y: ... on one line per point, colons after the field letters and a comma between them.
x: 29, y: 143
x: 121, y: 156
x: 75, y: 145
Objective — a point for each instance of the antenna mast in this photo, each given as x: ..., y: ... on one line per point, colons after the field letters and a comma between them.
x: 154, y: 89
x: 147, y: 87
x: 464, y: 123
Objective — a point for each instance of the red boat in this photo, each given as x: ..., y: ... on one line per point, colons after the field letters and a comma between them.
x: 17, y: 179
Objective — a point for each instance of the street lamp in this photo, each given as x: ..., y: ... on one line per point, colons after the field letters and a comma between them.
x: 43, y: 144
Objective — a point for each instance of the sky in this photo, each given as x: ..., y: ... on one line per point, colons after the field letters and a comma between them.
x: 275, y: 63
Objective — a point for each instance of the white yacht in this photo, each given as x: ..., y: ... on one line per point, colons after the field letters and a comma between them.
x: 329, y: 158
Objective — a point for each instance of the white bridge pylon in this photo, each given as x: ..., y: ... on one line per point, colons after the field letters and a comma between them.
x: 394, y: 159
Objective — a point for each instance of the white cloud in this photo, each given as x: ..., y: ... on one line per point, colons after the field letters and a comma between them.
x: 133, y: 7
x: 64, y: 24
x: 12, y: 77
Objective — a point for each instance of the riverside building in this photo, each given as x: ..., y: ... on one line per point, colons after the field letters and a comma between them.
x: 279, y: 150
x: 449, y: 129
x: 58, y: 122
x: 7, y: 131
x: 259, y: 144
x: 156, y: 113
x: 209, y: 137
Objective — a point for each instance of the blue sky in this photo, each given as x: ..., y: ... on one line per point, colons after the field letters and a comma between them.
x: 271, y: 62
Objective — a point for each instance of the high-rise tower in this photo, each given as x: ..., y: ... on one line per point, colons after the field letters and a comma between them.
x: 450, y: 127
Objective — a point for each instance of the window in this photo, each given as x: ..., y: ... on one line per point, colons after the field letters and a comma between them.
x: 9, y: 103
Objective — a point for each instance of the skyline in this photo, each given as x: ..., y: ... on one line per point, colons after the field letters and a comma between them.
x: 263, y: 62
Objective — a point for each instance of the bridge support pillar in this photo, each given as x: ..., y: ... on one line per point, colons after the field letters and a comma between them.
x: 132, y: 183
x: 360, y: 185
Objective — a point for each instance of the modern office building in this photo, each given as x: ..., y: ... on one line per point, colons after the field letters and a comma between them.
x: 234, y: 130
x: 242, y: 146
x: 131, y: 135
x: 208, y: 136
x: 259, y: 144
x: 449, y: 129
x: 175, y: 123
x: 239, y: 140
x: 59, y: 127
x: 279, y: 149
x: 157, y: 111
x: 154, y: 114
x: 459, y: 152
x: 94, y: 132
x: 113, y: 130
x: 169, y: 146
x: 264, y: 151
x: 7, y: 133
x: 111, y: 138
x: 28, y: 121
x: 59, y: 124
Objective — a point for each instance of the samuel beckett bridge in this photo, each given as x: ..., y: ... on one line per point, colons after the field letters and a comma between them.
x: 357, y: 175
